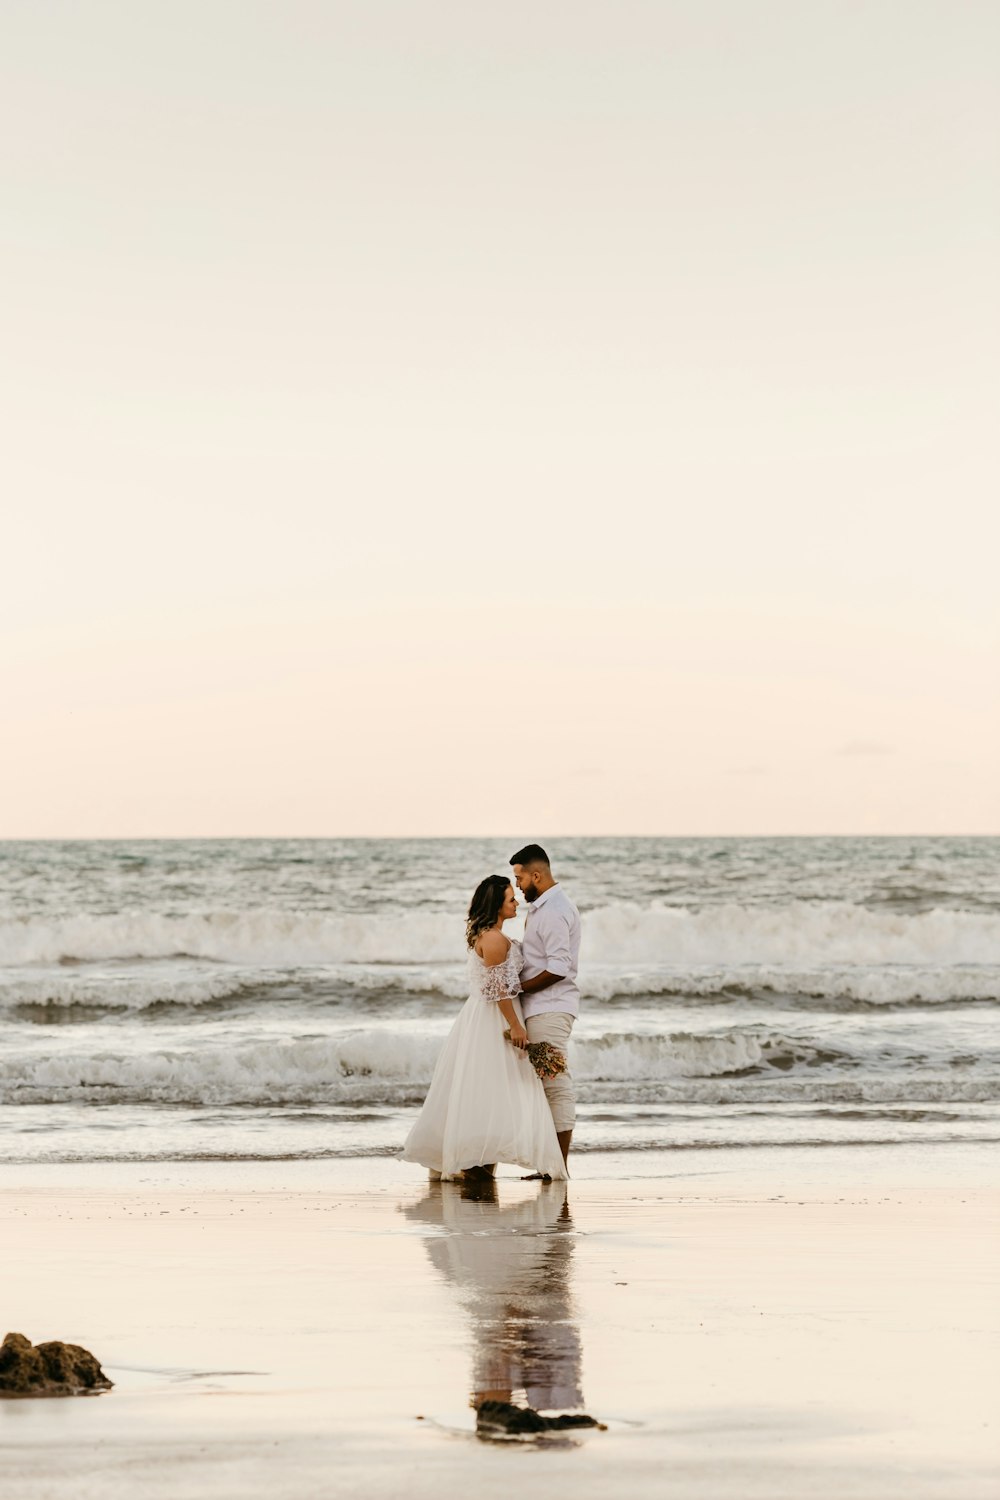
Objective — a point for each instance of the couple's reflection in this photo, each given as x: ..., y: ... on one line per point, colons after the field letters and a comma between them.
x: 511, y: 1265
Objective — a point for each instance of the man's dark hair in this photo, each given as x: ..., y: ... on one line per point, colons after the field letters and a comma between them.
x: 531, y: 854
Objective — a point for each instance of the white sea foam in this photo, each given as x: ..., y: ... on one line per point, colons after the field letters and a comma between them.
x: 841, y: 954
x: 115, y: 992
x: 386, y: 1064
x: 265, y: 938
x: 862, y: 984
x: 867, y: 985
x: 800, y: 934
x: 254, y: 1072
x: 348, y: 984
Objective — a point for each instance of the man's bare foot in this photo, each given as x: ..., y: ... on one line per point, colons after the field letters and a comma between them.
x: 537, y: 1177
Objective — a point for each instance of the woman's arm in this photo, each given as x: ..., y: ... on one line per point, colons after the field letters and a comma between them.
x: 518, y: 1035
x: 494, y: 948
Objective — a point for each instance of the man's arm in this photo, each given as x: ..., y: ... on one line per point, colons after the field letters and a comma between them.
x: 557, y: 956
x: 495, y: 949
x: 540, y: 982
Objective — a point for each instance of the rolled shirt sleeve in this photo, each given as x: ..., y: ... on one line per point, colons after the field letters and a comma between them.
x: 558, y: 954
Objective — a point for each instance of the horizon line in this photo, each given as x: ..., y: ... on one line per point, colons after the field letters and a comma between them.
x: 234, y: 838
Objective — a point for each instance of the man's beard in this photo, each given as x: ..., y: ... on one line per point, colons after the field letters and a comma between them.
x: 531, y: 893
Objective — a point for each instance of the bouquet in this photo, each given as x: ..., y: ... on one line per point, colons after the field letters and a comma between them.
x: 547, y: 1061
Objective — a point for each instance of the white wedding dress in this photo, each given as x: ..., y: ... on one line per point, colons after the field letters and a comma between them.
x: 486, y: 1103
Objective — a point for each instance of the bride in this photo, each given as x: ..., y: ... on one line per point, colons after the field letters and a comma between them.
x: 486, y: 1103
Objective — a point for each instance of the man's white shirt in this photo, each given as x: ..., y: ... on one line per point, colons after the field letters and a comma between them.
x: 552, y: 942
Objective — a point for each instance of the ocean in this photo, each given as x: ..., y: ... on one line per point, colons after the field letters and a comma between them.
x: 285, y: 999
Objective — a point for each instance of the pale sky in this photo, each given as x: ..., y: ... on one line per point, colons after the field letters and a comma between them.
x: 559, y: 418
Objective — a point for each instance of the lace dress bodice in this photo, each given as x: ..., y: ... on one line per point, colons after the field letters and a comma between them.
x: 500, y: 982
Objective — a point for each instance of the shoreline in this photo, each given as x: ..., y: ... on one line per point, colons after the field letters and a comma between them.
x: 751, y: 1162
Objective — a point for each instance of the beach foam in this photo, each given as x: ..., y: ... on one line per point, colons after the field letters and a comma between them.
x: 389, y: 1065
x: 803, y: 934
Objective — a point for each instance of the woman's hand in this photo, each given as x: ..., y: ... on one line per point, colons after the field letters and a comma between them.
x: 518, y: 1036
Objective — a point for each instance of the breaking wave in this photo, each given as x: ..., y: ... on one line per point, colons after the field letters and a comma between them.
x: 387, y: 1066
x: 831, y: 954
x: 801, y: 934
x: 148, y: 985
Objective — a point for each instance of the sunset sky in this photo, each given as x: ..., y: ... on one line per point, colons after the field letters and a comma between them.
x: 443, y: 418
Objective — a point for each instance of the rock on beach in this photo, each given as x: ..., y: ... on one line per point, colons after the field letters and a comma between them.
x: 50, y: 1369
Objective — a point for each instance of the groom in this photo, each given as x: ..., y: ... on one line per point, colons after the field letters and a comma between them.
x: 550, y: 1000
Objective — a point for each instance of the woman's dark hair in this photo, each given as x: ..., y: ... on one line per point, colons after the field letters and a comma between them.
x: 484, y: 908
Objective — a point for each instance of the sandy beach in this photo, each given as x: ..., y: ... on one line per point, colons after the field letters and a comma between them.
x: 780, y: 1323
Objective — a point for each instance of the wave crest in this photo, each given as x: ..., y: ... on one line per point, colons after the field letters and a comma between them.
x: 395, y: 1066
x: 802, y: 934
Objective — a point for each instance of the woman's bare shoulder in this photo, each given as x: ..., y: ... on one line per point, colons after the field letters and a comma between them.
x: 492, y: 947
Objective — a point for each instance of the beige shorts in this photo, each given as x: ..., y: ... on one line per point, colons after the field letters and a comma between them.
x: 555, y: 1026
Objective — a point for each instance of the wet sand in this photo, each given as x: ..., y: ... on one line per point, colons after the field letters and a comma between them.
x: 747, y: 1323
